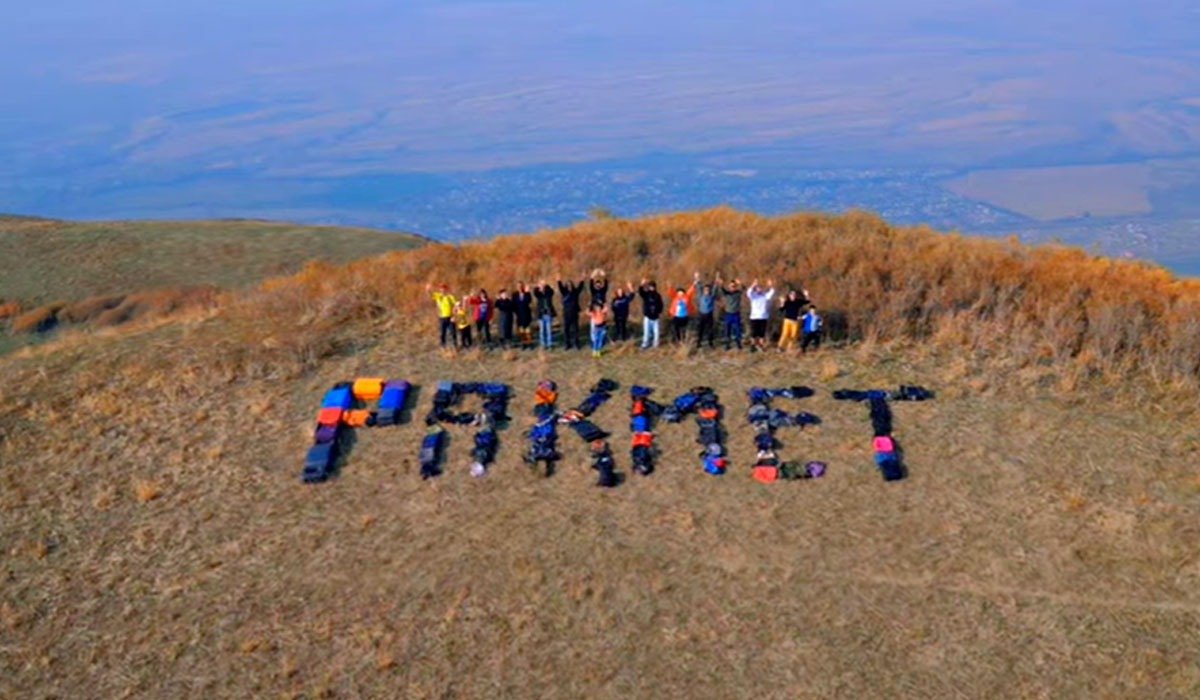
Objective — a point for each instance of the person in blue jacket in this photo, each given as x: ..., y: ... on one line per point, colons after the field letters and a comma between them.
x: 811, y: 328
x: 705, y: 297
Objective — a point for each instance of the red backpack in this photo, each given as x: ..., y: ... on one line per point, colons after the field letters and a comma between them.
x: 765, y: 473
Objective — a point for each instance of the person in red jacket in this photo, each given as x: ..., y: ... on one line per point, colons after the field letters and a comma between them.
x: 482, y: 310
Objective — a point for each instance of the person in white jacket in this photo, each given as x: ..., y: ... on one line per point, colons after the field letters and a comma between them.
x: 760, y: 312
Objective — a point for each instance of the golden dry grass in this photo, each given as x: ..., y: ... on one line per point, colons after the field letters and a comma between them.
x: 1013, y: 304
x: 1043, y: 545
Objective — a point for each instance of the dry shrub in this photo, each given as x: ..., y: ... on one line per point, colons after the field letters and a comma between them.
x: 88, y: 309
x: 155, y: 303
x: 146, y: 490
x: 9, y: 309
x: 996, y: 299
x: 39, y: 320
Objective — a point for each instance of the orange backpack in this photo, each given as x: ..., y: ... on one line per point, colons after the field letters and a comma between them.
x: 367, y: 389
x: 356, y: 419
x: 765, y: 473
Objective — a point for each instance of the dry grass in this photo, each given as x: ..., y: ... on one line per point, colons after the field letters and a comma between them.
x: 116, y: 272
x: 1014, y: 304
x: 145, y: 490
x: 48, y: 260
x: 38, y: 320
x: 1042, y: 546
x: 9, y: 309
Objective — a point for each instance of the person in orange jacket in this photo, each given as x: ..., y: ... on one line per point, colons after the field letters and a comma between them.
x: 680, y: 309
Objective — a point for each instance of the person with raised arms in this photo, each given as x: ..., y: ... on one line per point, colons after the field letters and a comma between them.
x: 681, y: 311
x: 760, y: 312
x: 705, y: 299
x: 790, y: 308
x: 652, y: 308
x: 544, y: 294
x: 570, y: 292
x: 444, y: 301
x: 598, y: 286
x: 731, y: 306
x: 598, y: 316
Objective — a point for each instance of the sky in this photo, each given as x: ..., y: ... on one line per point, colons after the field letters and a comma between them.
x: 131, y: 93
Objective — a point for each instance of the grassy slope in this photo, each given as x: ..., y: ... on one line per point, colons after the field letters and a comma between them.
x: 47, y: 261
x: 1041, y: 548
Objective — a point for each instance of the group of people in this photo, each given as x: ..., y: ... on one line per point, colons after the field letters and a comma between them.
x: 696, y: 307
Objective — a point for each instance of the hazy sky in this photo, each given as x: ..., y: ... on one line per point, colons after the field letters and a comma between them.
x: 146, y: 91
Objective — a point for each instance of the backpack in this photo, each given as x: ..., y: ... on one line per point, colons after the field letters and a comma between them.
x: 714, y: 465
x: 686, y: 402
x: 764, y: 473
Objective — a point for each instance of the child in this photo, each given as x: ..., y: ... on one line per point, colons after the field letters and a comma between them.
x: 598, y: 315
x: 812, y: 324
x: 462, y: 322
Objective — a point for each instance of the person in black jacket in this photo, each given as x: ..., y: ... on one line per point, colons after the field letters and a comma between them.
x: 507, y: 307
x: 598, y: 286
x: 652, y: 308
x: 571, y: 292
x: 621, y: 302
x: 523, y: 303
x: 544, y: 294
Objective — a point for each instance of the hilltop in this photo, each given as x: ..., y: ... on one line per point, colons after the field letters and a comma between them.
x: 1041, y: 546
x: 58, y: 272
x: 47, y: 260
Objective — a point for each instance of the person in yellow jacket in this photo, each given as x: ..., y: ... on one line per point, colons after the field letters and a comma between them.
x: 462, y: 322
x: 444, y: 301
